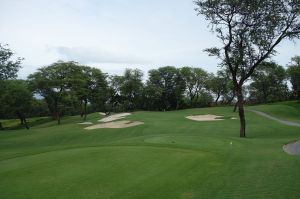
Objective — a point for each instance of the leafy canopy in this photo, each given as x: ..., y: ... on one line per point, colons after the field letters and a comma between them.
x: 8, y: 66
x: 249, y: 30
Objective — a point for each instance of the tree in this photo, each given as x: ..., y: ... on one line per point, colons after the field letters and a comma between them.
x: 167, y: 83
x: 216, y: 85
x: 98, y: 89
x: 249, y: 32
x: 132, y: 88
x: 195, y: 80
x: 8, y: 66
x: 126, y: 91
x: 54, y: 83
x: 269, y: 83
x: 228, y: 91
x: 8, y: 70
x: 16, y: 99
x: 294, y: 75
x: 221, y: 87
x: 152, y: 96
x: 115, y: 100
x: 91, y: 87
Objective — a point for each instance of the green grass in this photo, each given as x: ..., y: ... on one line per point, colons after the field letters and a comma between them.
x: 168, y: 157
x: 289, y: 110
x: 10, y: 124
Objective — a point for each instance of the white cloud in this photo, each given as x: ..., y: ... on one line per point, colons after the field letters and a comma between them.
x: 89, y: 55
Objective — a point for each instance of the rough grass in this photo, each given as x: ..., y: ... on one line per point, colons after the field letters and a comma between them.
x: 167, y: 157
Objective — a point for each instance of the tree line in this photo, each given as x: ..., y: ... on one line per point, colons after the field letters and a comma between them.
x: 69, y: 88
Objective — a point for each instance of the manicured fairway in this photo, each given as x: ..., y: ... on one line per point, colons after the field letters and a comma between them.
x: 168, y: 157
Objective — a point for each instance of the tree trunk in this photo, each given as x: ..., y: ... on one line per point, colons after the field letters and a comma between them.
x: 57, y: 116
x: 192, y: 97
x: 229, y: 102
x: 191, y: 101
x: 22, y: 119
x: 240, y: 105
x: 216, y: 101
x: 82, y: 109
x: 235, y: 107
x: 85, y: 105
x: 50, y: 107
x: 25, y: 122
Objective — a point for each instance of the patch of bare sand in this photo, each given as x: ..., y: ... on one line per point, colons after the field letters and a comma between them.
x: 204, y: 117
x: 115, y: 125
x: 114, y: 117
x: 292, y: 148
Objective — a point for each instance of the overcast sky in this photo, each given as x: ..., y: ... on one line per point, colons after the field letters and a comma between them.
x: 112, y: 34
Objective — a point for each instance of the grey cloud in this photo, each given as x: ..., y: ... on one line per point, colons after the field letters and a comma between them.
x: 92, y: 55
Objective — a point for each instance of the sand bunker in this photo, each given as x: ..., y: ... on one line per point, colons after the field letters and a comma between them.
x: 86, y: 123
x: 292, y: 148
x: 204, y: 117
x: 115, y: 125
x: 114, y: 117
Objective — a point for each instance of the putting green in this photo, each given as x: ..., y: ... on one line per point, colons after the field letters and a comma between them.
x: 101, y: 171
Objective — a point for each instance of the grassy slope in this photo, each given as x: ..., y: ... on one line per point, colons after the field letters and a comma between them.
x: 285, y: 110
x: 168, y: 157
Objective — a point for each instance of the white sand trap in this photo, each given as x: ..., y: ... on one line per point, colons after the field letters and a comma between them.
x: 103, y: 114
x: 86, y: 123
x: 292, y: 148
x: 204, y: 117
x: 114, y: 117
x: 115, y: 125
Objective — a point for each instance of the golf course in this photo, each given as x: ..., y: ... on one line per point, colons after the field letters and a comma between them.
x: 167, y: 156
x: 173, y: 99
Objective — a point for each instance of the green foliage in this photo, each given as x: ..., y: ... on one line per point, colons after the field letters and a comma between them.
x: 54, y: 83
x: 115, y: 102
x: 38, y: 108
x: 294, y: 75
x: 91, y: 87
x: 8, y: 66
x: 269, y: 84
x: 169, y: 87
x: 222, y: 87
x: 132, y: 89
x: 195, y: 80
x: 15, y: 100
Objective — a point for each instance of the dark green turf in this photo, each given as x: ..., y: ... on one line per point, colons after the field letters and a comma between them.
x: 168, y: 157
